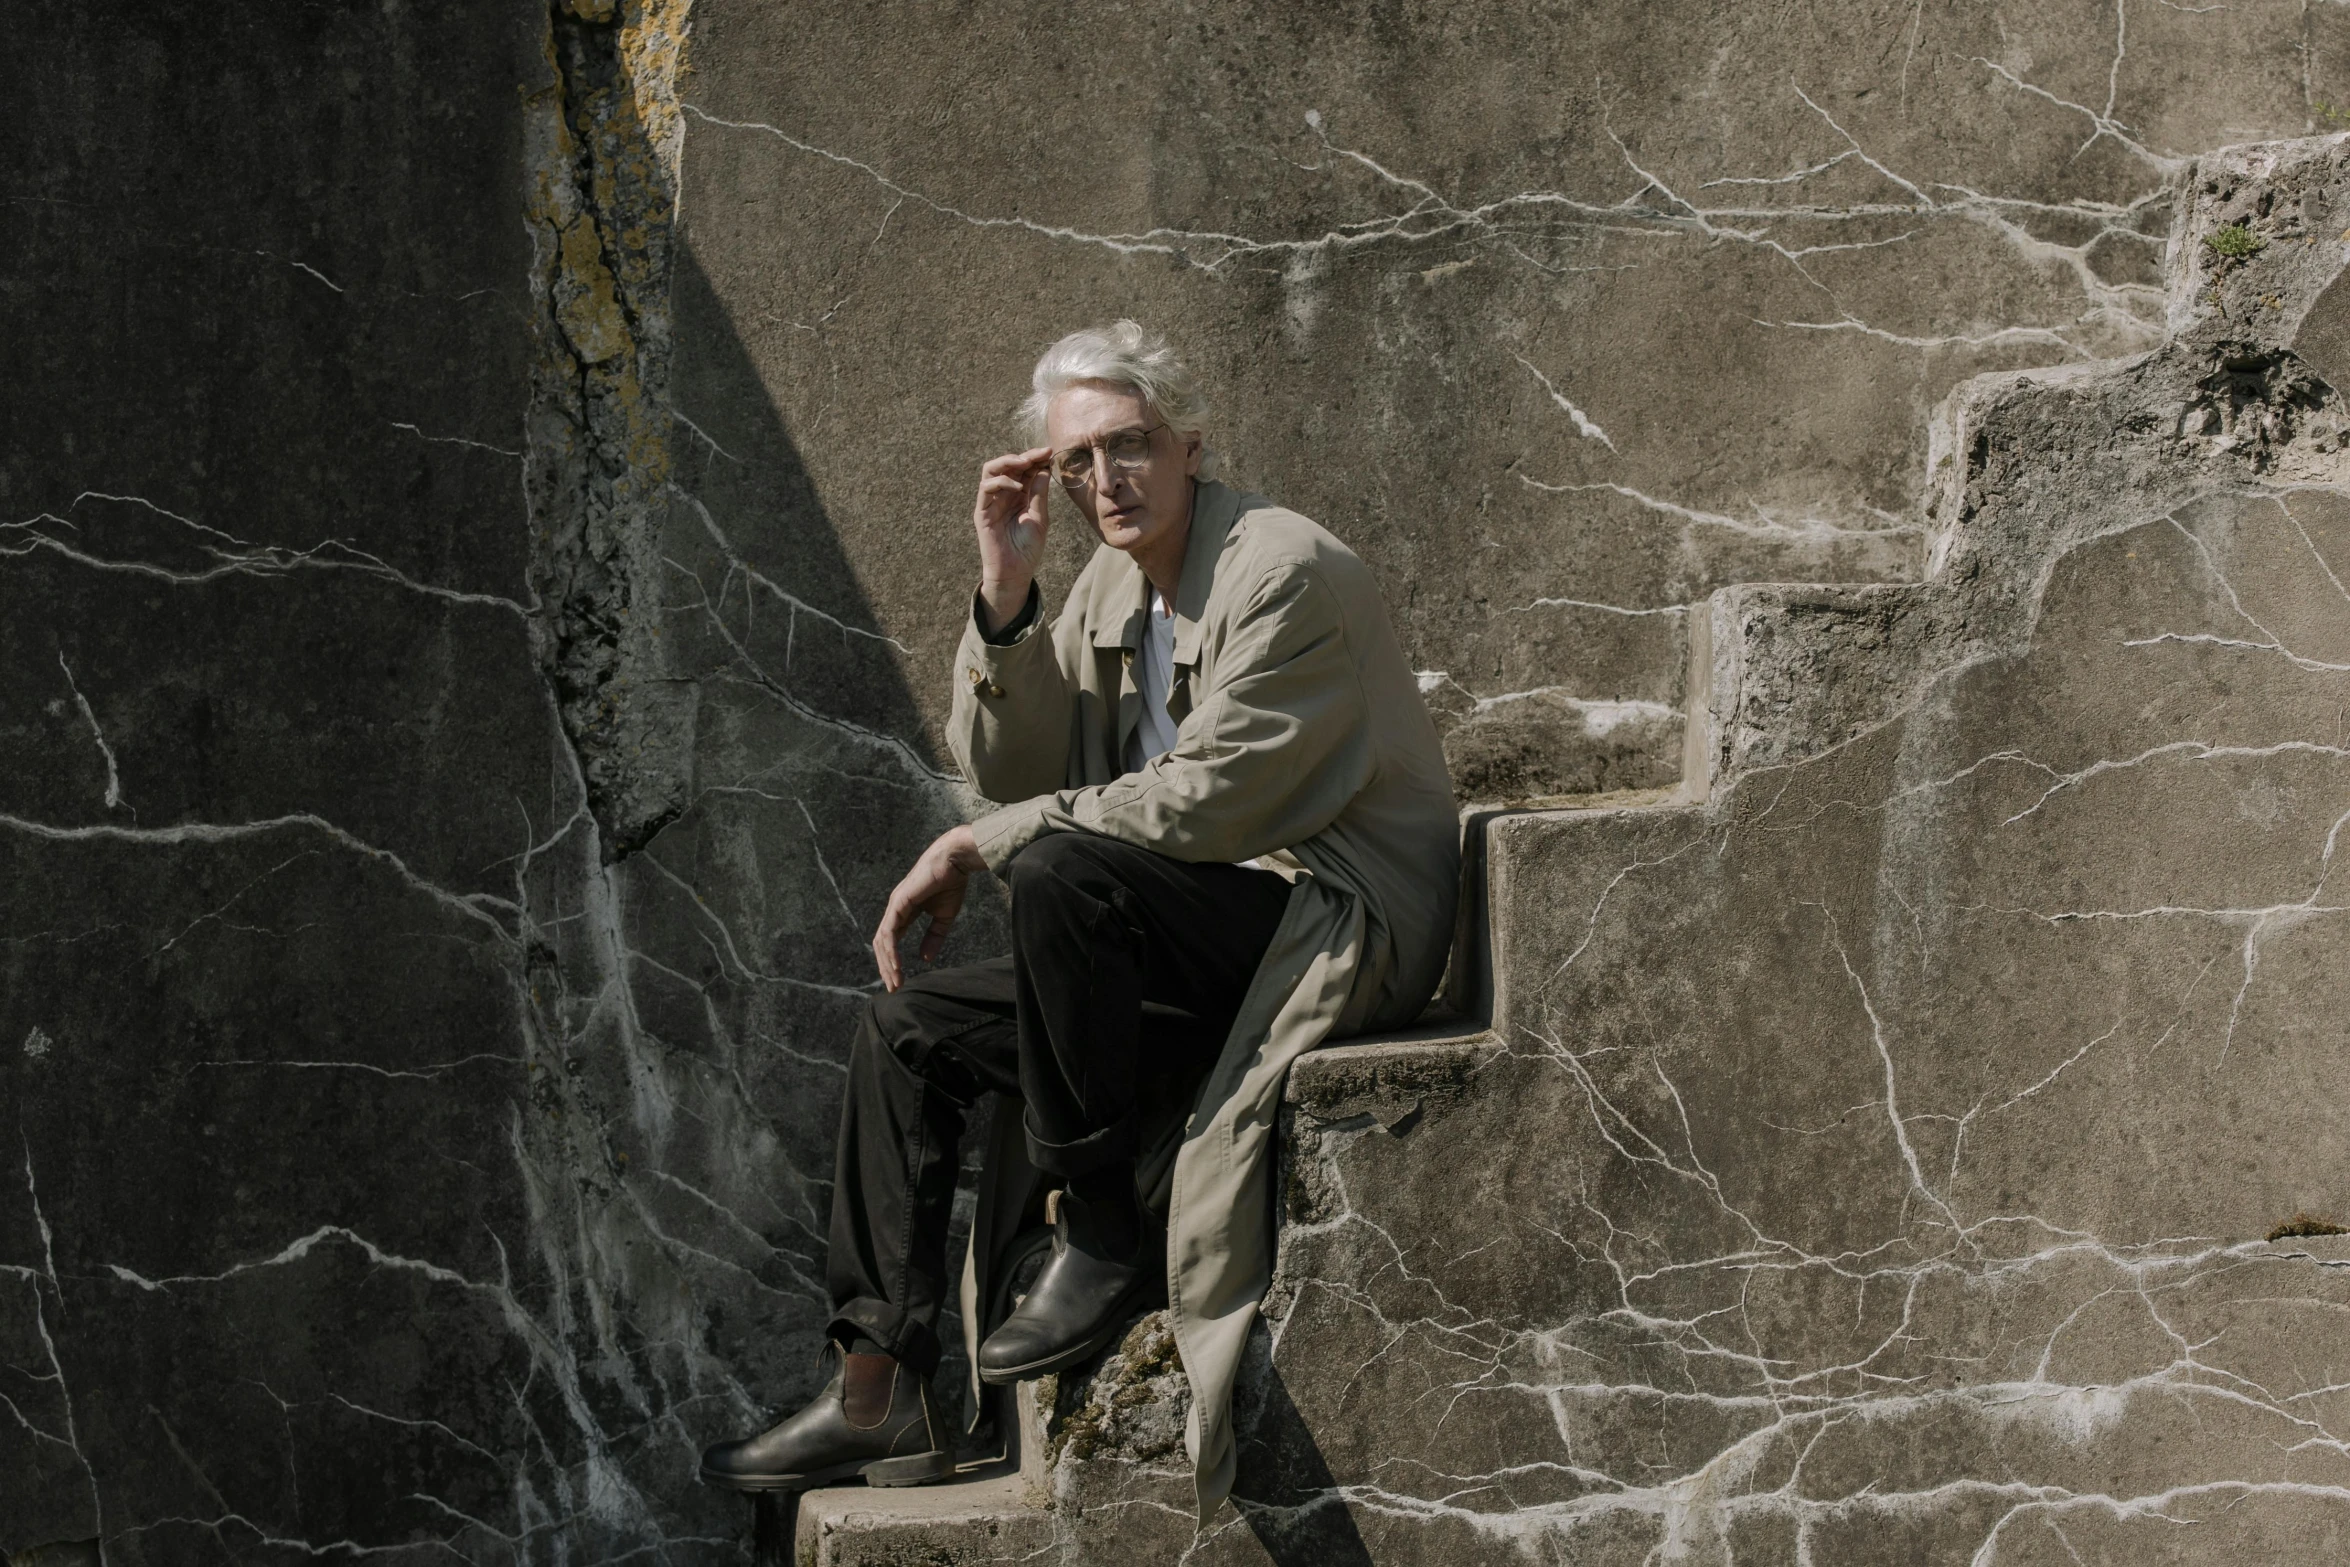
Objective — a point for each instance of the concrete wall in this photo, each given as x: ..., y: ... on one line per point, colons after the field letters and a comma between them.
x: 1911, y: 1153
x: 1562, y: 316
x: 483, y: 503
x: 1934, y: 1110
x: 304, y: 1241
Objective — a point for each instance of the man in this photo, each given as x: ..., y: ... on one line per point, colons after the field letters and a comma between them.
x: 1230, y: 837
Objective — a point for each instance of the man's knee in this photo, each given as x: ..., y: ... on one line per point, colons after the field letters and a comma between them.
x: 902, y: 1036
x: 889, y: 1029
x: 1049, y: 854
x: 1063, y: 863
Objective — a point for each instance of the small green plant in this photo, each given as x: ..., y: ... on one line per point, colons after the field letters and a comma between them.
x: 2235, y: 242
x: 2305, y: 1224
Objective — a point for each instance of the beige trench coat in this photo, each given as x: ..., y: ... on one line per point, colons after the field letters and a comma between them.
x: 1301, y: 736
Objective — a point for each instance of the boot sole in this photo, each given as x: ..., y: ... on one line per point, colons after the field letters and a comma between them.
x: 1085, y: 1349
x: 914, y: 1469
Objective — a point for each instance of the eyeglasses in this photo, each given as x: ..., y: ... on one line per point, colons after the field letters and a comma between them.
x: 1128, y: 451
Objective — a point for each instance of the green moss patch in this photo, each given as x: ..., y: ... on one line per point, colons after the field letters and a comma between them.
x: 2235, y: 242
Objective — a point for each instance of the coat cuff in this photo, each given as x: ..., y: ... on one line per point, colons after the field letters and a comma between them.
x: 1002, y: 834
x: 991, y: 669
x: 1011, y: 631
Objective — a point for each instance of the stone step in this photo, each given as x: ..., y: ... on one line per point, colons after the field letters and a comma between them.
x: 983, y: 1518
x: 993, y: 1510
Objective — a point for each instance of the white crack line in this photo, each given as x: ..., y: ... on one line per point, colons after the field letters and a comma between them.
x: 296, y: 1250
x: 452, y: 440
x: 412, y: 1424
x: 424, y: 1074
x: 2047, y: 336
x: 1892, y: 1102
x: 234, y: 557
x: 2259, y: 924
x: 1707, y: 1490
x: 2315, y: 553
x: 1583, y: 424
x: 732, y: 953
x: 759, y: 678
x: 704, y: 436
x: 816, y: 847
x: 72, y: 1439
x: 473, y: 905
x: 2185, y: 750
x: 1811, y: 530
x: 1599, y: 905
x: 1431, y: 216
x: 301, y: 266
x: 736, y: 566
x: 2270, y: 641
x: 1601, y: 716
x: 1605, y: 609
x: 113, y: 773
x: 2102, y: 122
x: 234, y: 898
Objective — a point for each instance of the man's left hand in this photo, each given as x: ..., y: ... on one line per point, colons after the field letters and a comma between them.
x: 934, y: 887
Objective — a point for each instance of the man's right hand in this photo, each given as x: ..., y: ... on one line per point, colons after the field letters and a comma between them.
x: 1011, y: 519
x: 935, y: 887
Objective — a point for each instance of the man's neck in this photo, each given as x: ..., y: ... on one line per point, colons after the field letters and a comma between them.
x: 1162, y: 559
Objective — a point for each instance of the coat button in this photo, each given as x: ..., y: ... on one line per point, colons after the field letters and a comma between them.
x: 993, y: 689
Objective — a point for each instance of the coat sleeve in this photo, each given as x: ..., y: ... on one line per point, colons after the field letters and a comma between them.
x: 1010, y: 721
x: 1263, y: 761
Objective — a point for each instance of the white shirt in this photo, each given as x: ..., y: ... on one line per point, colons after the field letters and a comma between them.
x: 1154, y: 672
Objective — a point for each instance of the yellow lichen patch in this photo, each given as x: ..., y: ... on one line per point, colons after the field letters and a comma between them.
x: 652, y: 50
x: 602, y: 206
x: 647, y: 434
x: 589, y: 312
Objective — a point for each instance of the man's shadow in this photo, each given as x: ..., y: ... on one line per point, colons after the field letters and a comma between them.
x: 1284, y: 1489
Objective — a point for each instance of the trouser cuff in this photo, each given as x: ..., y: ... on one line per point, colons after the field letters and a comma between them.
x: 913, y: 1344
x: 1112, y: 1144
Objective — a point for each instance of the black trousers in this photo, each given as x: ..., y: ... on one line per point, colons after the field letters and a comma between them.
x: 1125, y: 973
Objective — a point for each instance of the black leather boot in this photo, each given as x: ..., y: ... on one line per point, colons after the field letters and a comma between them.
x: 1079, y: 1301
x: 872, y: 1420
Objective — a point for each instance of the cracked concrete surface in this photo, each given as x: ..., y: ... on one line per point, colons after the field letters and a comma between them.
x: 481, y: 517
x: 1606, y: 310
x: 1916, y: 1107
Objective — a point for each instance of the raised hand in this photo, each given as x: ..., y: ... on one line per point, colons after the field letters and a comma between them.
x: 1010, y: 517
x: 935, y: 886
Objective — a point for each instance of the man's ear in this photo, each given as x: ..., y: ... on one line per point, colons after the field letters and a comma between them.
x: 1195, y: 447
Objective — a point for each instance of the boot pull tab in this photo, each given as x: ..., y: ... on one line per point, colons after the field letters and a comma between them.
x: 867, y: 1385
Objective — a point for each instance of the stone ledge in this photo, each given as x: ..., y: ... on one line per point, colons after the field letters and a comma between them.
x: 967, y: 1521
x: 993, y: 1510
x: 1389, y: 1078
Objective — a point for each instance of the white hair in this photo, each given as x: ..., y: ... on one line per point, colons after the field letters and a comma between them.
x: 1124, y: 354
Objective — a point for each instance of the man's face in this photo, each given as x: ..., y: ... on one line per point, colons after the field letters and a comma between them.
x: 1130, y: 507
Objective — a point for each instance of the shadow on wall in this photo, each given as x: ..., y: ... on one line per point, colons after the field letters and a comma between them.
x: 516, y: 1244
x: 1285, y: 1489
x: 814, y: 785
x: 801, y: 618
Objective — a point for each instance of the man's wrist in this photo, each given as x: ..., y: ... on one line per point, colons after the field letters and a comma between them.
x: 1001, y: 609
x: 963, y: 850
